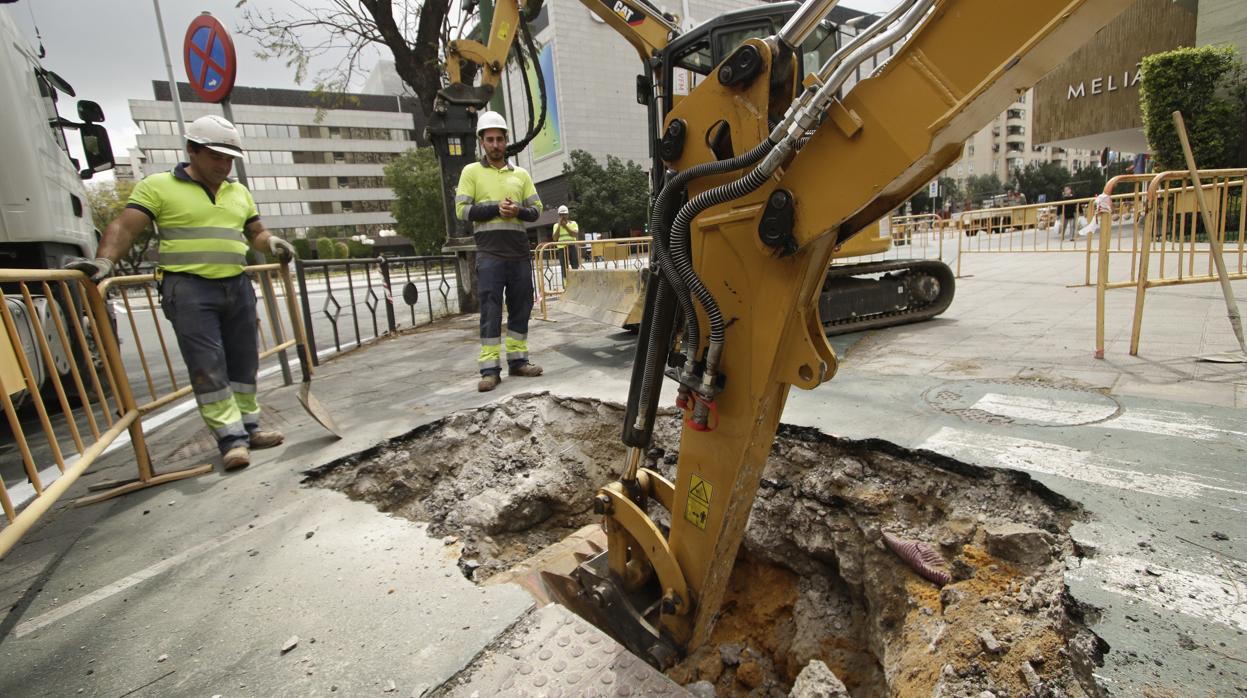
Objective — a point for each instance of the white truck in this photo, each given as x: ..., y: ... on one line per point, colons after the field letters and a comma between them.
x: 45, y: 218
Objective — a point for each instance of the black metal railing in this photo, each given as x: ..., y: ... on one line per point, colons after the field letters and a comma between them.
x: 364, y: 289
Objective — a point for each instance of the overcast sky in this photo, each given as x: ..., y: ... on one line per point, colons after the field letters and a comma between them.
x: 109, y: 50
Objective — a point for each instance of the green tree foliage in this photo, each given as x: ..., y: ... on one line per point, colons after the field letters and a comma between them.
x: 1209, y: 86
x: 980, y: 187
x: 302, y: 247
x: 612, y: 198
x: 358, y: 250
x: 920, y: 202
x: 1041, y: 178
x: 342, y: 250
x: 1087, y: 181
x: 324, y: 248
x: 951, y: 194
x: 417, y: 205
x: 107, y: 200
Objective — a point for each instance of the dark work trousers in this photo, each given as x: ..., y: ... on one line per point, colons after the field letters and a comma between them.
x: 215, y: 324
x: 510, y: 280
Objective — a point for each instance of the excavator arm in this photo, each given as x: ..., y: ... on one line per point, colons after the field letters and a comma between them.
x: 741, y: 248
x: 641, y: 24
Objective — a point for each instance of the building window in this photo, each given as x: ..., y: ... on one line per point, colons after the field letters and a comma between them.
x: 970, y: 151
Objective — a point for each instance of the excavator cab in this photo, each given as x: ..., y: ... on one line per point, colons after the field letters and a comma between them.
x: 856, y: 296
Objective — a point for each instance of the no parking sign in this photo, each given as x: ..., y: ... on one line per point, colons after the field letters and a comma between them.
x: 211, y: 65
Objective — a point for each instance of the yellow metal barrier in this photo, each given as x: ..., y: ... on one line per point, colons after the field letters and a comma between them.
x: 1174, y: 232
x: 1045, y: 227
x: 80, y: 321
x: 918, y: 236
x: 64, y: 320
x: 597, y: 262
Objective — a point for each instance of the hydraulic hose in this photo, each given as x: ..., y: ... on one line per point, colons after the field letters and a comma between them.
x: 661, y: 213
x: 670, y: 281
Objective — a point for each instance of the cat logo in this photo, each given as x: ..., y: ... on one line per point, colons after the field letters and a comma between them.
x: 629, y: 15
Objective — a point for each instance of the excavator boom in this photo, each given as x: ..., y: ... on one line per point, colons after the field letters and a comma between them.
x: 763, y: 177
x: 741, y: 264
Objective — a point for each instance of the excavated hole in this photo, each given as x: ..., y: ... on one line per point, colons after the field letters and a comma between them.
x: 814, y: 579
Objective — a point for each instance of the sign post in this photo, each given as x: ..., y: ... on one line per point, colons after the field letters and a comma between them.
x: 211, y: 66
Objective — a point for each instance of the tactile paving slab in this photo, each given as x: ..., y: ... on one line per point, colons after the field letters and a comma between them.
x: 553, y: 653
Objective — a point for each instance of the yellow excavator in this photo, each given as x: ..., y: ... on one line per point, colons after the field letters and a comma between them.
x: 766, y: 171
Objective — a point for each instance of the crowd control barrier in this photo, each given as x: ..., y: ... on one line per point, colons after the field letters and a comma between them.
x: 64, y: 377
x: 1175, y: 248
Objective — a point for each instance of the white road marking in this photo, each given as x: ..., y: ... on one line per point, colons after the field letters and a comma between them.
x: 1195, y: 594
x: 1169, y: 423
x: 1052, y: 411
x: 121, y: 585
x: 1063, y: 461
x: 1047, y: 410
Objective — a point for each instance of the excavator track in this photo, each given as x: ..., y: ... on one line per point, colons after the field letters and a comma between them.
x: 908, y: 290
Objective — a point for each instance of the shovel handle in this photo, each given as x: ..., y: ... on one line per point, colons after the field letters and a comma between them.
x: 296, y: 320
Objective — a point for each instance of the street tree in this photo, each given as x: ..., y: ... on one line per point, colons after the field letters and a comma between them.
x: 920, y: 202
x: 951, y: 193
x: 1208, y: 85
x: 414, y: 32
x: 611, y: 198
x: 1041, y: 178
x: 417, y: 204
x: 980, y: 187
x: 107, y: 200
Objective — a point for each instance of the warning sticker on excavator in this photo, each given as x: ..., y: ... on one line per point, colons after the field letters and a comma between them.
x: 698, y: 505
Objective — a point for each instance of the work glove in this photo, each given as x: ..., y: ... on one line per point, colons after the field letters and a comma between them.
x: 95, y: 269
x: 280, y: 249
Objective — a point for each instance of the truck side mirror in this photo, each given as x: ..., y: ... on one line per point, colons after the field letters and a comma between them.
x: 90, y: 112
x: 97, y: 148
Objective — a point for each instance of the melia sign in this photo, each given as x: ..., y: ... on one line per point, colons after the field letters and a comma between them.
x: 1104, y: 84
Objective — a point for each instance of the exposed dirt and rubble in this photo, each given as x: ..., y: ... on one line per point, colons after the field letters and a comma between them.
x: 815, y: 579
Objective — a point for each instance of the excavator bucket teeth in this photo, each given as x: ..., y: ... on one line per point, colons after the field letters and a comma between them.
x: 582, y: 557
x: 568, y: 592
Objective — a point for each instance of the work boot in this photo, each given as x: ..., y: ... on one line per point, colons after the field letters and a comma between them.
x: 266, y: 438
x: 489, y: 381
x: 526, y: 370
x: 237, y: 457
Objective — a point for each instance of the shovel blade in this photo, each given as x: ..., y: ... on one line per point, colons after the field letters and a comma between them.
x: 317, y: 410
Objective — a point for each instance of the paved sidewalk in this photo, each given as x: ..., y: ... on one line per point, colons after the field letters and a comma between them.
x: 197, y: 586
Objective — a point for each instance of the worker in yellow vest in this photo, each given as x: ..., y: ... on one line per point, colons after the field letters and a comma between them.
x: 566, y: 230
x: 205, y: 223
x: 497, y: 198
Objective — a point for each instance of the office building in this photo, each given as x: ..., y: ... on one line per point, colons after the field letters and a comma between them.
x: 313, y: 171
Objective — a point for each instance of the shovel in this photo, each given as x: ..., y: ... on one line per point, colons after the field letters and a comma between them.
x: 309, y: 401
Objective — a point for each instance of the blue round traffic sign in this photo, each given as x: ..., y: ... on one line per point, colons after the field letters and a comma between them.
x: 211, y: 64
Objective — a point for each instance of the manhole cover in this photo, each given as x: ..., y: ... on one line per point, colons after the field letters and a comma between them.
x: 1021, y: 402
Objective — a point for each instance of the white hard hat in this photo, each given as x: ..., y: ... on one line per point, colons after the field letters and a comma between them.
x: 563, y: 211
x: 216, y: 133
x: 490, y: 119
